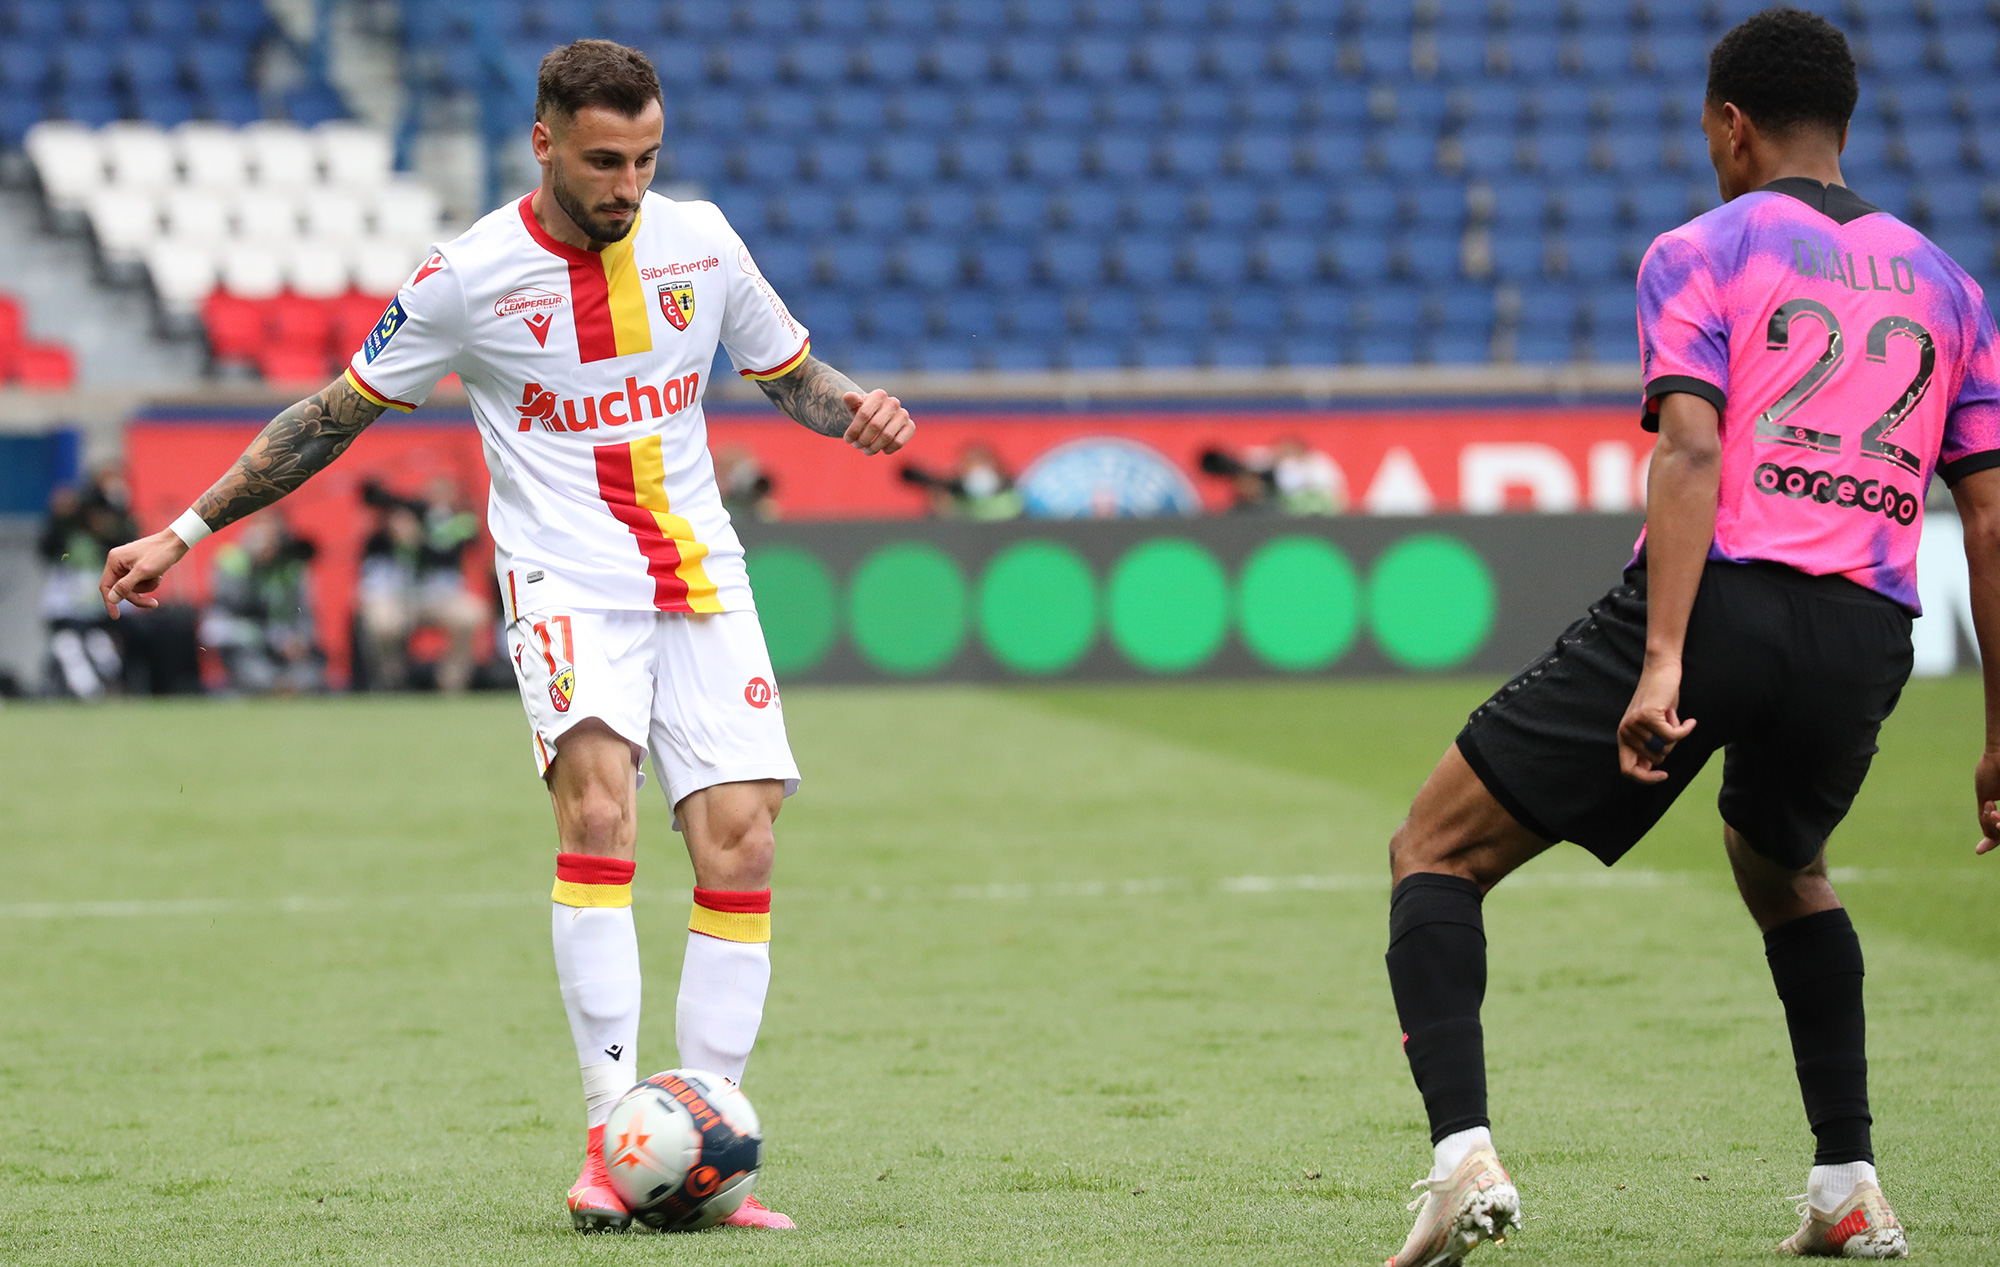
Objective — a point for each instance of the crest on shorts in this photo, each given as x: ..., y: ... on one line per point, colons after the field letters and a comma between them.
x: 677, y: 303
x: 562, y: 688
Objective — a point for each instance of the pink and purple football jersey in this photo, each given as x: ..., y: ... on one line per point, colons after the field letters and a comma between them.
x: 1848, y: 358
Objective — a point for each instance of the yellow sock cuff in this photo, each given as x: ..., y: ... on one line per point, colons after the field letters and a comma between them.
x: 731, y: 916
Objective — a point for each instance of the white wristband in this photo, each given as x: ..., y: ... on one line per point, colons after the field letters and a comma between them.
x: 190, y: 528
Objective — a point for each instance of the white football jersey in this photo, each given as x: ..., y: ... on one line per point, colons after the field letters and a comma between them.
x: 586, y: 371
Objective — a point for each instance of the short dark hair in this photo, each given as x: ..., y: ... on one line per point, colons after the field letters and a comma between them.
x: 1786, y: 69
x: 595, y: 73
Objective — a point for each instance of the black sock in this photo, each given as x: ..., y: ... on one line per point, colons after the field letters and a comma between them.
x: 1437, y: 970
x: 1816, y: 964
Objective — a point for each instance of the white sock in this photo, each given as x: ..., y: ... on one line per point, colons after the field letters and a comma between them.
x: 597, y: 965
x: 723, y: 984
x: 1454, y: 1148
x: 1828, y: 1187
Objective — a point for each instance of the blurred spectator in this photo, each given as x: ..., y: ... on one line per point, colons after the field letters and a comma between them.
x: 746, y: 489
x: 259, y: 615
x: 980, y: 489
x: 1287, y: 479
x: 412, y: 575
x: 82, y: 527
x: 1307, y: 481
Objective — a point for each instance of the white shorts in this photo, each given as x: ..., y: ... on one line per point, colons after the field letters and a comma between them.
x: 696, y: 691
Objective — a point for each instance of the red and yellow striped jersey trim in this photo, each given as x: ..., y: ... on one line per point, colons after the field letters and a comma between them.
x: 607, y: 302
x: 632, y: 480
x: 370, y: 394
x: 791, y: 363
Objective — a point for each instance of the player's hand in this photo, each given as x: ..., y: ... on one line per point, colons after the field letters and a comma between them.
x: 133, y: 571
x: 1986, y: 784
x: 881, y: 424
x: 1652, y: 723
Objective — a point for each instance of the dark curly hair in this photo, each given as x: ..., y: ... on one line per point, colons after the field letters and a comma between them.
x: 594, y: 73
x: 1787, y: 69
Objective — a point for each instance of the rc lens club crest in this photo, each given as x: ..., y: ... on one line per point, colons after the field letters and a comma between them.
x: 677, y: 303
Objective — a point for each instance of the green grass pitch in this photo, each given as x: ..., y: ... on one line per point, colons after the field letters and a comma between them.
x: 1062, y: 976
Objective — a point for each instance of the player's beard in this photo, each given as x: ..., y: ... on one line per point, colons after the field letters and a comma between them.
x: 600, y: 231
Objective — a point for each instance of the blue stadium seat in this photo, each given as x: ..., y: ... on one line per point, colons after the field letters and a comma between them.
x: 1970, y: 49
x: 1674, y: 56
x: 1430, y: 256
x: 1543, y: 345
x: 958, y: 60
x: 897, y: 316
x: 1393, y: 308
x: 1590, y: 203
x: 929, y: 263
x: 1052, y: 158
x: 1095, y: 353
x: 791, y: 112
x: 1609, y: 306
x: 1971, y: 251
x: 869, y: 356
x: 1031, y: 59
x: 1269, y: 105
x: 1548, y: 307
x: 1321, y: 310
x: 1632, y: 152
x: 1464, y: 307
x: 944, y: 208
x: 101, y: 20
x: 1301, y: 205
x: 1369, y: 204
x: 715, y: 111
x: 945, y: 356
x: 979, y: 158
x: 213, y: 66
x: 829, y: 314
x: 805, y: 62
x: 902, y: 15
x: 1384, y: 348
x: 695, y: 160
x: 1286, y: 258
x: 1919, y: 99
x: 1231, y: 352
x: 239, y: 20
x: 1218, y: 259
x: 1045, y: 15
x: 856, y: 111
x: 1191, y: 156
x: 1591, y: 257
x: 1209, y: 106
x: 1004, y: 265
x: 1105, y: 312
x: 314, y: 104
x: 1308, y: 56
x: 1063, y: 107
x: 1271, y: 155
x: 1358, y: 259
x: 1167, y: 351
x: 1116, y: 15
x: 1559, y: 103
x: 1033, y: 312
x: 1335, y: 105
x: 1618, y: 345
x: 1016, y: 211
x: 790, y: 265
x: 94, y: 109
x: 747, y: 63
x: 146, y: 66
x: 1931, y: 148
x: 1385, y: 56
x: 1532, y: 55
x: 1891, y: 51
x: 1487, y: 150
x: 753, y: 212
x: 1240, y: 58
x: 1891, y: 192
x: 1021, y: 355
x: 1419, y: 106
x: 1517, y: 257
x: 1404, y: 151
x: 1156, y: 207
x: 993, y: 109
x: 640, y: 23
x: 1518, y: 202
x: 1070, y: 259
x: 1461, y: 53
x: 970, y: 313
x: 851, y: 262
x: 767, y: 161
x: 1434, y: 203
x: 1655, y: 204
x: 1145, y: 259
x: 165, y: 107
x: 1487, y: 101
x: 1954, y: 201
x: 1233, y: 205
x: 1562, y: 152
x: 1330, y: 348
x: 1459, y: 347
x: 1135, y: 106
x: 1178, y: 310
x: 1608, y: 55
x: 1122, y: 156
x: 1632, y: 101
x: 905, y: 159
x: 37, y: 20
x: 890, y: 60
x: 1088, y: 207
x: 836, y: 16
x: 24, y: 67
x: 164, y: 19
x: 870, y: 210
x: 1331, y: 155
x: 1169, y: 58
x: 18, y: 112
x: 1098, y: 59
x: 1256, y: 310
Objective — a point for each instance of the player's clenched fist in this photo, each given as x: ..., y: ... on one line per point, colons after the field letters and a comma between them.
x: 881, y: 424
x: 133, y: 571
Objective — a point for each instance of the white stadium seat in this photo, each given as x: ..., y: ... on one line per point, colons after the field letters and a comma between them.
x: 282, y: 156
x: 140, y: 156
x: 69, y: 160
x: 407, y: 211
x: 333, y: 215
x: 183, y: 273
x: 197, y: 215
x: 317, y: 270
x: 125, y: 222
x: 355, y: 157
x: 211, y: 156
x: 252, y: 271
x: 381, y: 267
x: 266, y: 215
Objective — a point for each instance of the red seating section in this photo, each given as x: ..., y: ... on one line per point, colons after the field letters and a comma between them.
x: 292, y: 341
x: 27, y: 363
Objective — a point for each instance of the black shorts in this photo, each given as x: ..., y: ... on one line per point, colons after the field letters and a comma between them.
x: 1791, y: 674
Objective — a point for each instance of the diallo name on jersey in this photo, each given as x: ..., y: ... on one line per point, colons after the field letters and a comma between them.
x: 614, y: 408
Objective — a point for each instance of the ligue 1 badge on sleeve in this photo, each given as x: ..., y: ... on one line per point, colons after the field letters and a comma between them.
x: 677, y: 303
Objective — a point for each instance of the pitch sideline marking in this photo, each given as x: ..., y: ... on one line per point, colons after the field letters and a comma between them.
x: 1238, y: 886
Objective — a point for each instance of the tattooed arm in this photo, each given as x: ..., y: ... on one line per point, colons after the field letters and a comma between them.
x: 821, y: 398
x: 294, y: 446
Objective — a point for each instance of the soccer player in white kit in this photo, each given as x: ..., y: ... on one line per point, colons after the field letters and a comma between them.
x: 583, y: 321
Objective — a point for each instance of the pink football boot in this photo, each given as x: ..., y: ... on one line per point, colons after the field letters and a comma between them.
x: 754, y: 1213
x: 593, y: 1206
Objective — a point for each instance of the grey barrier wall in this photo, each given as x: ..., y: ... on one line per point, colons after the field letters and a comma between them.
x: 1147, y: 599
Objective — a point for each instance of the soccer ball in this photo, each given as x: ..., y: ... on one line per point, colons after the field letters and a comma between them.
x: 683, y: 1149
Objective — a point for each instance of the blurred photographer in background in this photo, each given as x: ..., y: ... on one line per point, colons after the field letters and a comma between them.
x: 980, y: 489
x: 413, y: 575
x: 260, y: 612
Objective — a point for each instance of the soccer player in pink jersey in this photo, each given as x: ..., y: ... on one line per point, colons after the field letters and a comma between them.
x: 583, y: 321
x: 1810, y: 362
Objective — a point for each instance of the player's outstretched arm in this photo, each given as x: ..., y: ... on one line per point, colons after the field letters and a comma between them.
x: 1978, y: 497
x: 1681, y: 495
x: 292, y: 447
x: 821, y: 398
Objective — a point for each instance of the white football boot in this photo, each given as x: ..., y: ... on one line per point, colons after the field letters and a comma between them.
x: 1863, y: 1227
x: 1476, y: 1202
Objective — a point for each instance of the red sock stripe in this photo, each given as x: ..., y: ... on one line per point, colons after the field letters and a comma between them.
x: 757, y: 903
x: 582, y: 868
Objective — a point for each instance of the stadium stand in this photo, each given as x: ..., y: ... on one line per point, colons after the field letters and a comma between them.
x: 1047, y: 183
x: 30, y: 363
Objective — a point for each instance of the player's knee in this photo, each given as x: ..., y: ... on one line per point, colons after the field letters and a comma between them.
x: 597, y: 824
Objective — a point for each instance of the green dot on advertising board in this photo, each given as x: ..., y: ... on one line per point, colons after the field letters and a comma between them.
x: 795, y: 604
x: 1430, y: 601
x: 1169, y: 605
x: 1038, y: 607
x: 1299, y: 603
x: 906, y: 608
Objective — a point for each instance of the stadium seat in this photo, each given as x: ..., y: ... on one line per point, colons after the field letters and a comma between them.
x: 1088, y: 207
x: 1032, y: 312
x: 1286, y: 258
x: 1009, y: 265
x: 1256, y: 310
x: 1233, y: 205
x: 1217, y: 259
x: 1321, y: 311
x: 1156, y: 206
x: 929, y: 263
